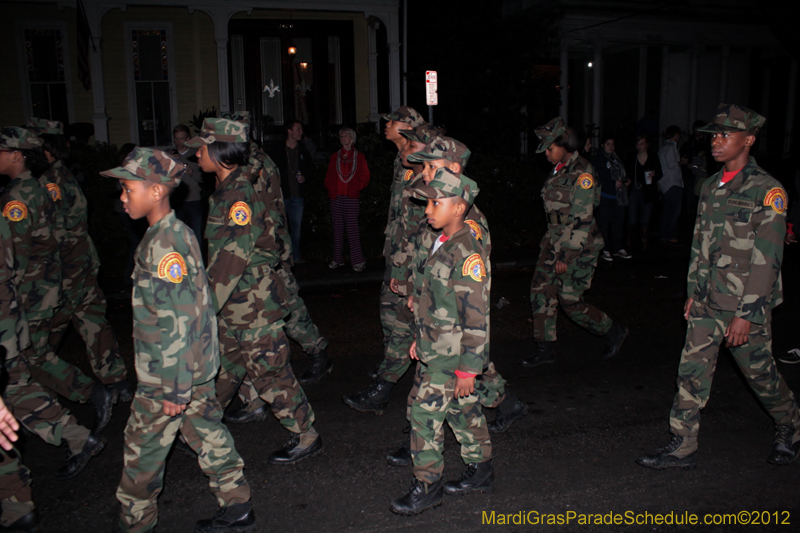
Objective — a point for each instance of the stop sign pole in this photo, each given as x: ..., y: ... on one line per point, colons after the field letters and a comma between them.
x: 432, y: 98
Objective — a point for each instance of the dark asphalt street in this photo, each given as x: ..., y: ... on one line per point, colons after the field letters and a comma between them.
x: 574, y: 452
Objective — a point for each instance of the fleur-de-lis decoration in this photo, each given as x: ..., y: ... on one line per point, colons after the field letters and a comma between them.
x: 271, y: 88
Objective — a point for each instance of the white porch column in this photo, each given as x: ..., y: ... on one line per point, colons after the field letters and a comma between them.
x: 791, y: 99
x: 94, y: 16
x: 374, y: 115
x: 564, y: 80
x: 723, y: 74
x: 221, y: 37
x: 641, y: 109
x: 391, y: 20
x: 597, y: 90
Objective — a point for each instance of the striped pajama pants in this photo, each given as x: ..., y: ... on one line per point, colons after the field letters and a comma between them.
x: 344, y: 212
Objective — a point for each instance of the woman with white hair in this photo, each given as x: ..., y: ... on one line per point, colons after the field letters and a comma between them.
x: 348, y: 173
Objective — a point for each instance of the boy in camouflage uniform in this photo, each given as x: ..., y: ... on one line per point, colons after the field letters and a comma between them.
x: 734, y: 282
x: 569, y: 248
x: 177, y: 357
x: 247, y: 292
x: 450, y: 299
x: 82, y: 301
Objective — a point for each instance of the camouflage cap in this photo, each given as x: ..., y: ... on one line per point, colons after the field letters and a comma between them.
x: 41, y: 126
x: 13, y: 138
x: 443, y: 148
x: 446, y: 184
x: 422, y: 134
x: 237, y: 116
x: 148, y: 164
x: 406, y: 114
x: 549, y: 133
x: 222, y: 130
x: 731, y: 117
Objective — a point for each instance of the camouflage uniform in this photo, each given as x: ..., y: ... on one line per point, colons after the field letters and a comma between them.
x: 734, y: 272
x: 570, y: 196
x: 389, y: 300
x: 451, y: 293
x: 247, y: 291
x: 177, y: 358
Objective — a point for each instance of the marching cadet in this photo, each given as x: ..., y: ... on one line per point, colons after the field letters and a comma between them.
x: 177, y: 358
x: 405, y: 118
x: 248, y: 294
x: 82, y: 301
x: 734, y: 282
x: 450, y: 300
x: 569, y: 249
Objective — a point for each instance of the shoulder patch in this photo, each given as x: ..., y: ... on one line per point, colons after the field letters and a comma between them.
x: 240, y: 213
x: 172, y: 267
x: 586, y: 181
x: 55, y: 191
x: 474, y: 268
x: 474, y: 229
x: 409, y: 175
x: 15, y: 211
x: 776, y: 199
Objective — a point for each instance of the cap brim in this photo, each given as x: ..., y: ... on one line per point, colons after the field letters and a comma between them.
x: 419, y: 157
x: 121, y: 174
x: 543, y: 146
x: 718, y: 128
x: 426, y: 191
x: 197, y: 142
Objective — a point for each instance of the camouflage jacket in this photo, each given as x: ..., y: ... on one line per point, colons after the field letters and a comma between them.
x: 451, y: 293
x: 174, y: 331
x: 395, y: 201
x: 412, y: 217
x: 31, y: 215
x: 13, y: 326
x: 78, y: 254
x: 570, y: 196
x: 266, y: 179
x: 738, y: 244
x: 242, y: 257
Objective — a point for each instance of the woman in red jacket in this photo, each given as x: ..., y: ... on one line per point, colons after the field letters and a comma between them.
x: 348, y: 173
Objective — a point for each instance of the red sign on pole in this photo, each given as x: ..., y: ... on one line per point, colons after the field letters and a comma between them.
x: 431, y: 85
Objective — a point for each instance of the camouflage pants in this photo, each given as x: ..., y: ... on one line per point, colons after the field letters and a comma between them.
x: 704, y: 336
x: 490, y: 387
x: 16, y: 499
x: 263, y: 356
x: 38, y: 410
x: 148, y: 438
x: 388, y: 309
x: 52, y: 371
x: 84, y: 305
x: 548, y: 290
x: 432, y: 406
x: 396, y: 360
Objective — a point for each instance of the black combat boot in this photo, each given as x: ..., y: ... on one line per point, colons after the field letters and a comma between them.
x: 76, y: 463
x: 121, y: 391
x: 402, y: 455
x: 784, y: 452
x: 320, y: 365
x: 294, y: 451
x: 29, y: 522
x: 478, y: 477
x: 420, y: 497
x: 235, y: 517
x: 509, y: 410
x: 614, y: 339
x: 679, y: 453
x: 372, y: 399
x: 545, y: 353
x: 103, y: 400
x: 246, y: 414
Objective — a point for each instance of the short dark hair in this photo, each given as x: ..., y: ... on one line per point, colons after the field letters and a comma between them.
x: 56, y: 145
x: 35, y: 161
x: 568, y: 140
x: 670, y: 132
x: 290, y: 125
x: 607, y: 137
x: 181, y: 127
x: 229, y: 154
x: 642, y: 136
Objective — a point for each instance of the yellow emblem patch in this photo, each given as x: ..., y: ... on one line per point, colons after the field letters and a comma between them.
x: 776, y: 199
x: 473, y: 267
x: 586, y: 181
x: 15, y: 211
x: 55, y: 191
x: 409, y: 175
x: 240, y: 213
x: 172, y: 267
x: 474, y: 229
